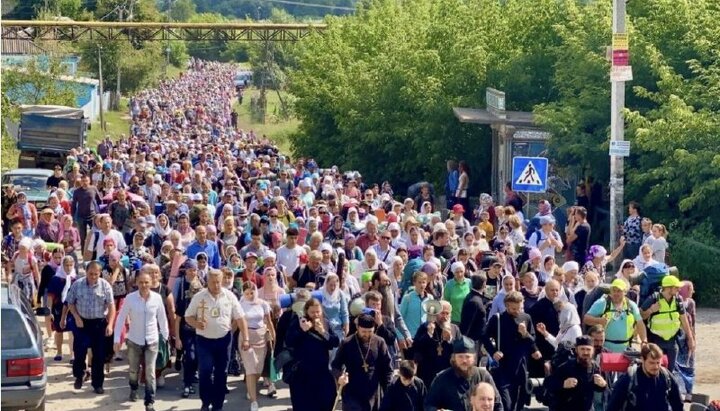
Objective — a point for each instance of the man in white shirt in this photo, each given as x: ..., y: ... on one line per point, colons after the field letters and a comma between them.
x: 146, y: 311
x: 106, y: 231
x: 213, y: 312
x: 289, y: 254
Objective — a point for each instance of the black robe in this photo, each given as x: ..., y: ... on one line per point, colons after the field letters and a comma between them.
x: 432, y: 354
x: 543, y: 311
x: 312, y: 386
x: 364, y: 390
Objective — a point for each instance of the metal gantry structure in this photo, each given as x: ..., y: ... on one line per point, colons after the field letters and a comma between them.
x: 152, y: 31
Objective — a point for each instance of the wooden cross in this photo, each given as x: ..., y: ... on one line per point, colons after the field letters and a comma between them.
x: 366, y: 367
x: 439, y: 349
x: 202, y: 307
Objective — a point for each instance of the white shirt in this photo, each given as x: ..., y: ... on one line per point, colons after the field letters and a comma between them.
x: 255, y: 313
x: 115, y: 235
x: 539, y: 237
x: 290, y: 257
x: 146, y: 317
x: 218, y: 312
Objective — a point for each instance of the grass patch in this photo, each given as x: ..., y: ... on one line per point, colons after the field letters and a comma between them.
x: 10, y: 152
x: 277, y: 130
x: 116, y: 123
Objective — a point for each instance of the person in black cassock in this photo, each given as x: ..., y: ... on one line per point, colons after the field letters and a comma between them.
x: 312, y: 386
x: 573, y: 385
x: 473, y: 318
x: 365, y: 359
x: 452, y: 387
x: 510, y: 339
x: 407, y: 392
x: 384, y: 327
x: 544, y: 312
x: 433, y: 344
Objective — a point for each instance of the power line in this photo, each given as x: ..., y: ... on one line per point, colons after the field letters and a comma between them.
x: 320, y: 6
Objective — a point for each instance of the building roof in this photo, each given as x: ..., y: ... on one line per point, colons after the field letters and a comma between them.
x: 483, y: 116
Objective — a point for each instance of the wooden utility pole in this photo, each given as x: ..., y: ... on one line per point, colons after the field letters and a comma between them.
x: 102, y: 118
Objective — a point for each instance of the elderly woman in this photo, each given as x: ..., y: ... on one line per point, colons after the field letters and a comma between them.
x: 228, y: 236
x: 370, y: 263
x: 597, y: 259
x: 121, y: 283
x: 57, y: 293
x: 260, y: 330
x: 498, y: 303
x: 569, y: 325
x: 456, y: 290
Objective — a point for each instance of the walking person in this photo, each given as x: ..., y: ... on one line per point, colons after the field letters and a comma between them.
x: 312, y: 386
x: 212, y: 312
x: 510, y: 340
x: 85, y: 201
x: 145, y: 311
x: 91, y: 303
x: 184, y: 291
x: 260, y: 331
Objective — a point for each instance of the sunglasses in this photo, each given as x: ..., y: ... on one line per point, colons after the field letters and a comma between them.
x: 386, y: 238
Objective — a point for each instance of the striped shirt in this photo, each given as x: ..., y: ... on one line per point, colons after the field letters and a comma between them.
x: 91, y: 301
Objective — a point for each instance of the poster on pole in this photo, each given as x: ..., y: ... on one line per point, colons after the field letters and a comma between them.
x: 621, y: 73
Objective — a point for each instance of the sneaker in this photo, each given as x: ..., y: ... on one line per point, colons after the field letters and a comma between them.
x: 160, y: 381
x: 272, y: 391
x: 149, y: 407
x: 99, y: 390
x: 57, y: 358
x: 254, y: 406
x: 133, y: 395
x: 192, y: 389
x: 78, y: 383
x: 186, y: 392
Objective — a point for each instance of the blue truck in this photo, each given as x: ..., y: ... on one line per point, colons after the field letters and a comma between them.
x: 47, y: 133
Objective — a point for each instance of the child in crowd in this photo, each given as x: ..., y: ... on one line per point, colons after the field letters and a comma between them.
x: 657, y: 241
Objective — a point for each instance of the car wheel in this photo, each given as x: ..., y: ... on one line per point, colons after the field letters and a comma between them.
x: 40, y: 407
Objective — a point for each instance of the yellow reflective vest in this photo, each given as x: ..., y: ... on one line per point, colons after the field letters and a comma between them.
x: 666, y: 322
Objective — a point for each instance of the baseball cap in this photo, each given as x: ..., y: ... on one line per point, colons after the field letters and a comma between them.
x: 251, y: 255
x: 620, y: 284
x: 670, y: 281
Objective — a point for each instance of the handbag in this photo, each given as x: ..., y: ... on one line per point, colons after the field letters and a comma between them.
x: 163, y: 356
x: 272, y: 372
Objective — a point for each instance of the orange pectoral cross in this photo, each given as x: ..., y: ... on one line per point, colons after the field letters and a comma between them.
x: 202, y: 307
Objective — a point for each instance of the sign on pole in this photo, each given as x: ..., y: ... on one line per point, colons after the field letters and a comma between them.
x: 529, y: 174
x: 619, y: 148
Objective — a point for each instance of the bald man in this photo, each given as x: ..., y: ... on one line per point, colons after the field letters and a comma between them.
x: 482, y: 397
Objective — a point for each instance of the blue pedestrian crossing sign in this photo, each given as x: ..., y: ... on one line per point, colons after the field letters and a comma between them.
x: 529, y: 174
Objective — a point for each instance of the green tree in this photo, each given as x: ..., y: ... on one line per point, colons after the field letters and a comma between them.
x: 139, y: 68
x: 181, y: 10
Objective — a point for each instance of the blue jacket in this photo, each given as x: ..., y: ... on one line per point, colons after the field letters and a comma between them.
x: 412, y: 312
x: 210, y: 249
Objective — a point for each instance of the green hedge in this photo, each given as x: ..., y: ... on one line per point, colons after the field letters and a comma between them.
x: 699, y: 263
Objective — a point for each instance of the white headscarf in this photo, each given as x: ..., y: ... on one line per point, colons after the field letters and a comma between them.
x: 68, y: 277
x: 333, y: 297
x: 162, y: 232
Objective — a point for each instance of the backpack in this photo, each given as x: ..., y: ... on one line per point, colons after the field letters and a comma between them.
x: 631, y: 399
x: 651, y: 279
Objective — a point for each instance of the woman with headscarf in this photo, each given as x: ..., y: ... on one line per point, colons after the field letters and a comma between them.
x: 118, y: 277
x: 228, y: 236
x: 597, y: 259
x: 498, y: 304
x: 337, y: 231
x: 530, y: 289
x: 159, y: 233
x: 348, y: 283
x: 426, y: 211
x: 370, y: 263
x: 57, y: 294
x: 335, y: 306
x: 69, y: 236
x: 187, y: 234
x: 353, y: 223
x: 569, y: 326
x: 26, y: 273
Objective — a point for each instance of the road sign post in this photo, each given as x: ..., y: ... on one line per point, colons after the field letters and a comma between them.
x: 529, y: 174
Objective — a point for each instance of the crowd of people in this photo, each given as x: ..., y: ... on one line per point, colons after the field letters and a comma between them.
x: 198, y: 247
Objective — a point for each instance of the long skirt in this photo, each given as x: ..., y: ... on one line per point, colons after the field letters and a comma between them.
x: 254, y: 358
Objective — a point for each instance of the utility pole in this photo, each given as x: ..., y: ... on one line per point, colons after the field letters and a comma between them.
x: 617, y: 133
x: 116, y: 100
x: 102, y: 119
